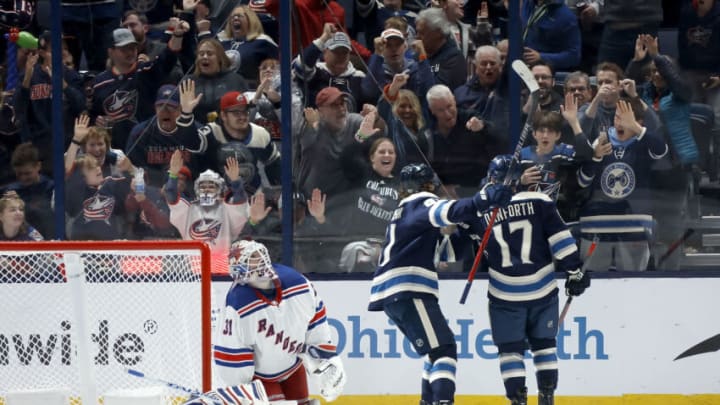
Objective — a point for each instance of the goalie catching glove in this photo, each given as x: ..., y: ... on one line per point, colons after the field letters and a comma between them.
x: 329, y: 375
x: 576, y: 283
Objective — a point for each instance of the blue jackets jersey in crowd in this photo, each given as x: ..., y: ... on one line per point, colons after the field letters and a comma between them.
x: 699, y: 39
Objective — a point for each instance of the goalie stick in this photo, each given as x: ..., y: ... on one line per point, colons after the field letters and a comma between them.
x: 569, y: 300
x: 527, y: 77
x: 252, y: 390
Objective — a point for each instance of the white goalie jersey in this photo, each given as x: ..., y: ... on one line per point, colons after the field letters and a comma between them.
x: 261, y: 336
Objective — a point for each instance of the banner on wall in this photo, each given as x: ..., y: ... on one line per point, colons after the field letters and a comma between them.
x: 620, y: 337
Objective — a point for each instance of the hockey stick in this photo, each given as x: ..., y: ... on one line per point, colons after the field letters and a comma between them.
x: 527, y: 77
x: 252, y: 390
x: 569, y: 300
x: 673, y: 246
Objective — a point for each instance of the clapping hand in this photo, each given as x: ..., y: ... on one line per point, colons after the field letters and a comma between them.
x: 312, y: 117
x: 475, y: 124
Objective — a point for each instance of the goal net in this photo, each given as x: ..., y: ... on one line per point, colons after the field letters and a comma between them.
x: 77, y: 315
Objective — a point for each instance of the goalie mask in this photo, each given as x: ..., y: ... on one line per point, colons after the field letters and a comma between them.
x: 209, y: 187
x: 249, y: 261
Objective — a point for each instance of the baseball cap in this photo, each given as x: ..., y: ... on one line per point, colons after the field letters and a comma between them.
x: 327, y: 96
x: 185, y: 171
x: 122, y: 37
x: 232, y: 99
x: 392, y: 33
x: 339, y: 39
x: 168, y: 95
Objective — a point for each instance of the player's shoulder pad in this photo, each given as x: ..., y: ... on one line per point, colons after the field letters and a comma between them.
x: 289, y: 276
x: 531, y: 195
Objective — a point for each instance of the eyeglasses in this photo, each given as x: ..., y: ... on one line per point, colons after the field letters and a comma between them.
x: 543, y: 77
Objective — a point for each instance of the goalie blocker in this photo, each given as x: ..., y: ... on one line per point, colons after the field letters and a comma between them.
x: 273, y: 328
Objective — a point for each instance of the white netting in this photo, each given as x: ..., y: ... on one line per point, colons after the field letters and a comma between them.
x: 142, y: 309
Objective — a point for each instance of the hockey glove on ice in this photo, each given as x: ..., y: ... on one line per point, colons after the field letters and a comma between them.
x: 576, y: 283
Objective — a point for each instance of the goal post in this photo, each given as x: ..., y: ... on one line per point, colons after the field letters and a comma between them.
x: 76, y: 315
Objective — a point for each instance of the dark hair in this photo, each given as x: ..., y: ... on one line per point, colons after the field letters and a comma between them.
x: 541, y: 62
x: 25, y: 153
x: 141, y: 16
x: 376, y: 144
x: 637, y: 106
x: 551, y: 120
x: 611, y: 67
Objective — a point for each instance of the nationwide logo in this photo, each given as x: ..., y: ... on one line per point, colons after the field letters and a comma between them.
x: 125, y: 348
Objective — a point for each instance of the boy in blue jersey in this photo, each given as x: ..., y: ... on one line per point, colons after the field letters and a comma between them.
x: 528, y: 243
x: 405, y: 285
x: 542, y: 162
x: 619, y: 211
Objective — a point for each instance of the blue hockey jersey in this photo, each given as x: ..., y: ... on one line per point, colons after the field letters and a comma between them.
x: 528, y: 243
x: 406, y: 268
x: 621, y: 202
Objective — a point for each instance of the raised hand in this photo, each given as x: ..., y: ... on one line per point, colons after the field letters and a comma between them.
x: 258, y: 210
x: 176, y: 162
x: 328, y: 30
x: 626, y: 117
x: 418, y: 47
x: 569, y: 110
x: 189, y: 5
x: 651, y: 44
x: 202, y: 25
x: 312, y: 117
x: 629, y: 87
x: 399, y: 81
x: 188, y: 99
x: 316, y: 205
x: 367, y: 109
x: 232, y: 168
x: 640, y: 48
x: 367, y: 127
x: 81, y: 128
x: 475, y: 124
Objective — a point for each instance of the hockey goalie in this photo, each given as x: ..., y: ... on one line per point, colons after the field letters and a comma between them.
x: 273, y: 330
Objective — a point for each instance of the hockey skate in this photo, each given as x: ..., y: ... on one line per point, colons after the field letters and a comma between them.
x: 546, y: 397
x: 520, y: 398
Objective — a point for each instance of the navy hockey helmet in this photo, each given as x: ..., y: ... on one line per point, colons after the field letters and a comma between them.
x: 413, y: 176
x: 499, y: 169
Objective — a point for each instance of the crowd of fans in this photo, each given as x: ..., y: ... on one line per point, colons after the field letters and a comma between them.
x: 172, y: 120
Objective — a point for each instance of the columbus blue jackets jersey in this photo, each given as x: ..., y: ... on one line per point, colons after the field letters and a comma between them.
x: 406, y: 268
x: 621, y: 202
x: 262, y: 336
x: 549, y: 165
x: 528, y: 243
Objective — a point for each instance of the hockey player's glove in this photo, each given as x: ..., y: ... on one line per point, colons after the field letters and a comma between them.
x: 492, y: 195
x: 577, y: 281
x: 329, y: 375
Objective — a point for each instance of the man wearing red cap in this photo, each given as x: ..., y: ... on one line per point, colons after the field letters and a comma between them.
x: 328, y: 144
x: 234, y: 135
